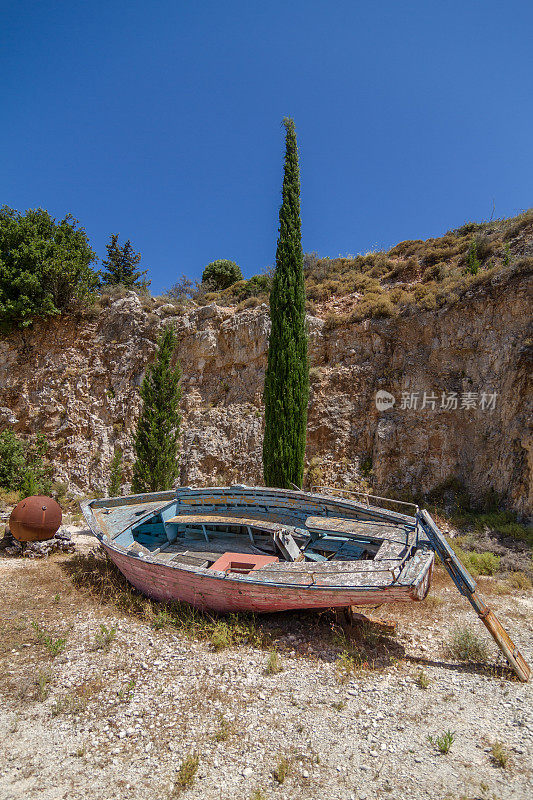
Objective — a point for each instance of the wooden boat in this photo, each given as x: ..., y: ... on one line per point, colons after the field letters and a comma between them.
x: 242, y: 548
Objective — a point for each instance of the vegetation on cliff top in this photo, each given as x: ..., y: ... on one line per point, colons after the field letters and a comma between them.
x: 44, y: 266
x: 412, y: 275
x: 286, y: 390
x: 120, y: 266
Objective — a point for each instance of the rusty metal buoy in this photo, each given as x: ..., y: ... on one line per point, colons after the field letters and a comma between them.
x: 35, y: 519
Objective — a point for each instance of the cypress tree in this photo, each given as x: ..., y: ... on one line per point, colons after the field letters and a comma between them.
x: 157, y: 437
x: 286, y: 392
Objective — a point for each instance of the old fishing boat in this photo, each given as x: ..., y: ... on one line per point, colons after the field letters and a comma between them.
x: 243, y: 548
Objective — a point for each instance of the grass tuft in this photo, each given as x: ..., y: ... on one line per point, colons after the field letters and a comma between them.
x: 274, y: 664
x: 53, y: 646
x: 104, y: 638
x: 499, y: 755
x: 186, y: 774
x: 422, y: 680
x: 468, y: 646
x: 443, y: 742
x: 281, y: 770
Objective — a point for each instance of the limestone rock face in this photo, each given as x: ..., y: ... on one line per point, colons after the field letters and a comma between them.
x: 77, y: 380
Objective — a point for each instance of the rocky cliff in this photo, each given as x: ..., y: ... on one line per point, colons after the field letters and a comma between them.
x: 459, y: 378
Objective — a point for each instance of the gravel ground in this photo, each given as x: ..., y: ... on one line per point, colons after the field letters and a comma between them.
x: 117, y: 719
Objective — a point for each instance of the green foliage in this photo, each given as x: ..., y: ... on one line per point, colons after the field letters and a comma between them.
x: 23, y: 464
x: 286, y: 391
x: 53, y: 646
x: 443, y: 742
x: 121, y: 266
x: 499, y: 755
x: 221, y: 273
x: 103, y: 639
x: 157, y: 437
x: 44, y: 265
x: 472, y: 260
x: 116, y: 477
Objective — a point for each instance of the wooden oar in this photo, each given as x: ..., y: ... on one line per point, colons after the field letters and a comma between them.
x: 467, y: 587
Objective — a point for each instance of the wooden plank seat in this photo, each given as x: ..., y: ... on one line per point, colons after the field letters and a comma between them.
x: 268, y: 522
x: 367, y: 529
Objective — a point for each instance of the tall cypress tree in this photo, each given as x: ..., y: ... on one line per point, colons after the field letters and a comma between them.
x: 157, y: 437
x: 286, y: 392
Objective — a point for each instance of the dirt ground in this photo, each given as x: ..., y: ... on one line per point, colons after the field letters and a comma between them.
x: 100, y: 702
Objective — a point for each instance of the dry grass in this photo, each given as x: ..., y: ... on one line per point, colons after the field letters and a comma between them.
x: 413, y: 276
x: 465, y: 645
x: 186, y: 774
x: 274, y: 664
x: 282, y: 769
x: 499, y: 755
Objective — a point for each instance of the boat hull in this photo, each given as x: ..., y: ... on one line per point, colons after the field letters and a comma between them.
x: 227, y: 595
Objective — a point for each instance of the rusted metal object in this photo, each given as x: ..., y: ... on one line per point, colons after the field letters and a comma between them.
x: 467, y: 587
x: 35, y: 519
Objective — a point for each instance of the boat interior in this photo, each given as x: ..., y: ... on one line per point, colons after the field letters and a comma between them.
x: 242, y: 532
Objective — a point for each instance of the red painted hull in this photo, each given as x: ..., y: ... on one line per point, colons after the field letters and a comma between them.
x: 169, y: 583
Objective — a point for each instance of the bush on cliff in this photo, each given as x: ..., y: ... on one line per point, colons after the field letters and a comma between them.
x: 220, y: 274
x: 44, y: 265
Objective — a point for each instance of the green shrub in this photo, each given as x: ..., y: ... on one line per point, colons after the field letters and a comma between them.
x: 23, y: 464
x: 44, y: 265
x: 221, y: 273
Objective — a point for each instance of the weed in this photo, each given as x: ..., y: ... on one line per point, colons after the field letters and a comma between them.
x: 422, y: 680
x: 221, y: 636
x: 339, y: 705
x: 124, y: 694
x: 102, y: 640
x: 468, y: 646
x: 80, y: 752
x: 224, y: 731
x: 69, y: 704
x: 499, y: 755
x: 281, y: 770
x: 443, y: 742
x: 43, y: 685
x: 186, y: 773
x: 258, y: 794
x: 274, y: 664
x: 53, y: 646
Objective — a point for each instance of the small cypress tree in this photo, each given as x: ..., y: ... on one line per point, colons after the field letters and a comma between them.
x: 156, y: 439
x: 286, y: 392
x: 115, y: 475
x: 121, y: 266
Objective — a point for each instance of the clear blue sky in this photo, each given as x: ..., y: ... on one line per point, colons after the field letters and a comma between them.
x: 161, y: 120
